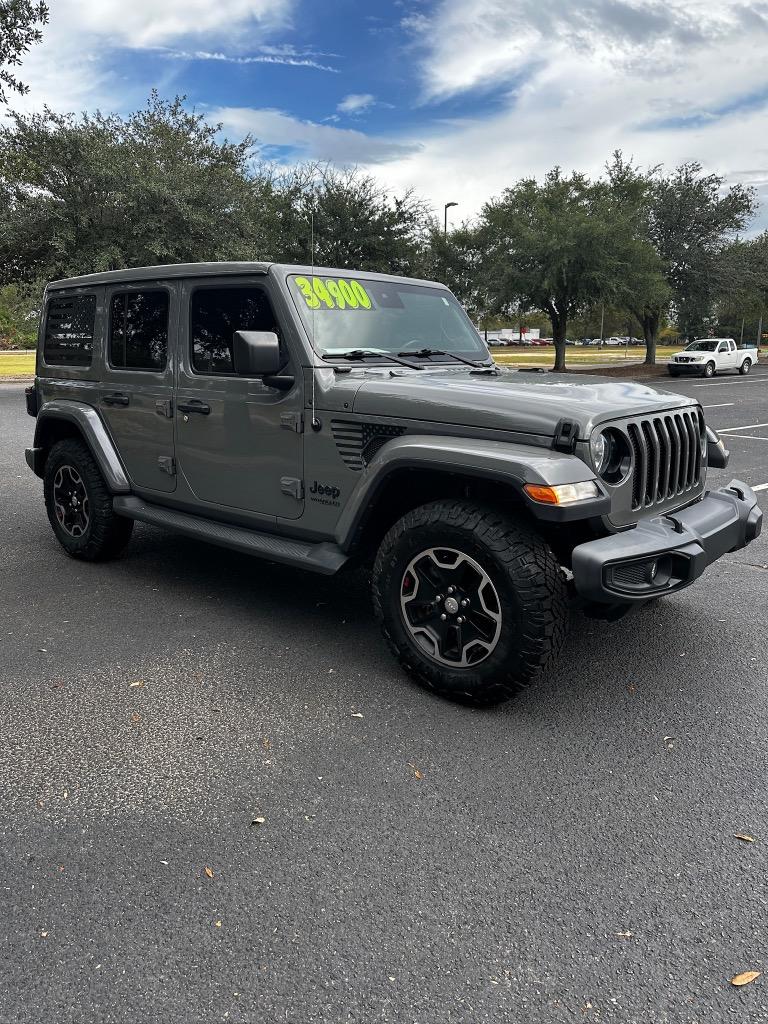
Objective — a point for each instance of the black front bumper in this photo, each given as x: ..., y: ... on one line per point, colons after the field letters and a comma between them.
x: 666, y: 553
x: 694, y: 369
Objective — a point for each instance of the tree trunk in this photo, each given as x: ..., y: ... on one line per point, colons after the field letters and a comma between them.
x: 650, y: 322
x: 559, y: 325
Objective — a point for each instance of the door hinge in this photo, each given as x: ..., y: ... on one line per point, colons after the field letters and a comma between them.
x: 292, y: 486
x: 167, y: 464
x: 163, y: 407
x: 292, y: 421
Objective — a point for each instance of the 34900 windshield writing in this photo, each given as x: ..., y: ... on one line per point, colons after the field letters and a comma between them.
x: 332, y: 293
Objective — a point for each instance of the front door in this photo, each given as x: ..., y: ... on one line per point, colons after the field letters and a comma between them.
x: 238, y: 441
x: 137, y: 389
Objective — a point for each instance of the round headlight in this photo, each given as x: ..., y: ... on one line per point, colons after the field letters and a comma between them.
x: 611, y: 455
x: 598, y: 449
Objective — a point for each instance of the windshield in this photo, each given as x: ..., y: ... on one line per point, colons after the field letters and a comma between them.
x: 705, y: 345
x: 343, y: 315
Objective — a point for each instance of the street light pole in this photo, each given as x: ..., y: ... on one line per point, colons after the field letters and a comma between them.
x: 445, y: 216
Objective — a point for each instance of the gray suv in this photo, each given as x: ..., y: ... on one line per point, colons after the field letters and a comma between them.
x: 328, y: 418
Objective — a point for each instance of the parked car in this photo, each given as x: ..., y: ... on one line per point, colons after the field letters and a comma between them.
x: 234, y: 403
x: 709, y: 356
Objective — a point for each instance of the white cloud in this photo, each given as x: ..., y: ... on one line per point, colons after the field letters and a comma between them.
x: 665, y: 82
x: 472, y: 44
x: 70, y: 69
x: 356, y: 103
x: 309, y: 140
x: 260, y: 58
x: 143, y: 23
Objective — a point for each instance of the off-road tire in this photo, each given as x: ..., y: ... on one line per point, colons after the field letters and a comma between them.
x: 709, y: 369
x: 525, y: 573
x: 106, y: 534
x: 745, y: 367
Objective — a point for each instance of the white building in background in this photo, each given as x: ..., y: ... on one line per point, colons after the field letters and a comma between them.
x: 508, y: 334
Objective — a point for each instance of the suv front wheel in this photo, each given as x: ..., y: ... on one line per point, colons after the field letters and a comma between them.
x: 79, y: 506
x: 473, y: 604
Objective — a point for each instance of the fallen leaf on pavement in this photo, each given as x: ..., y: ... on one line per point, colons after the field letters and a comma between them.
x: 217, y: 924
x: 745, y: 978
x: 744, y: 838
x: 138, y: 682
x: 258, y: 821
x: 356, y: 714
x: 44, y: 934
x: 135, y: 718
x: 208, y: 872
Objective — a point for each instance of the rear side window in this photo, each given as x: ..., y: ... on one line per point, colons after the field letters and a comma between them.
x: 138, y: 330
x: 69, y: 324
x: 215, y: 315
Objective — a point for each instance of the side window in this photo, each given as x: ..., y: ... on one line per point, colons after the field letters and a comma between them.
x: 138, y: 330
x: 214, y: 316
x: 68, y: 339
x: 722, y: 347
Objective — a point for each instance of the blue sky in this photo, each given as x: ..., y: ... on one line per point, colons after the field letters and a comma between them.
x: 454, y: 98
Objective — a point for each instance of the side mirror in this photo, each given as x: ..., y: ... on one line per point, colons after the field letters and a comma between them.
x: 717, y: 453
x: 256, y: 353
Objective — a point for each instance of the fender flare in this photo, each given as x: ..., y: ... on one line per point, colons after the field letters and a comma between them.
x: 95, y: 435
x: 501, y: 461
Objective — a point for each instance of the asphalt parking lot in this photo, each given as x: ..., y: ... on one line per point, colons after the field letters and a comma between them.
x: 568, y: 857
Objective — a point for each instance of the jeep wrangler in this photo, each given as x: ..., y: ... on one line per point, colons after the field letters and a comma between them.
x: 327, y: 418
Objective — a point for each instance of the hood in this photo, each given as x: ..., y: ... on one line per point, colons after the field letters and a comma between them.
x: 524, y: 402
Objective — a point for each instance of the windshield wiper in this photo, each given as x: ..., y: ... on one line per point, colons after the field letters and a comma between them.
x: 369, y: 353
x: 424, y: 353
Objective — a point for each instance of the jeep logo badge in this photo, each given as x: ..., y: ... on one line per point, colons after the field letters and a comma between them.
x: 325, y: 494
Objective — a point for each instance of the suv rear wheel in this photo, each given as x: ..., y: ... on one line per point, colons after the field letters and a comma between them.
x: 472, y: 604
x: 79, y: 506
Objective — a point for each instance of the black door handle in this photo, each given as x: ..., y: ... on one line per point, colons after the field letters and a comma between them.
x: 116, y: 398
x: 194, y: 405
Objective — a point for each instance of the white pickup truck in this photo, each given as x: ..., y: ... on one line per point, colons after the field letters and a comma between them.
x: 709, y: 356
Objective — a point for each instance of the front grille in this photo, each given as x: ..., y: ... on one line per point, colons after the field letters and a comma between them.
x: 667, y: 456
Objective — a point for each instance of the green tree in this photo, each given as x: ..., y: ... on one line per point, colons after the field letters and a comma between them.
x: 349, y: 220
x: 688, y: 219
x: 20, y: 22
x: 19, y: 311
x: 456, y: 260
x: 103, y: 192
x: 560, y: 246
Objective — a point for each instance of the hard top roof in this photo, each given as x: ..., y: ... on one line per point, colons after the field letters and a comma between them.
x: 172, y: 270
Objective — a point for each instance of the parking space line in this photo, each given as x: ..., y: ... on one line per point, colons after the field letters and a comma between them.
x: 760, y: 487
x: 721, y: 405
x: 762, y: 379
x: 749, y: 426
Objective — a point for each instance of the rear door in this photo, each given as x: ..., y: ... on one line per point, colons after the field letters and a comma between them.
x: 137, y: 391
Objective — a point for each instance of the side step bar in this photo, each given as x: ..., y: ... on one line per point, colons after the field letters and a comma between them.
x: 326, y: 558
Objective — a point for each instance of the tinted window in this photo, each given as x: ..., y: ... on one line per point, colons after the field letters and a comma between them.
x: 138, y: 330
x: 215, y: 315
x: 69, y: 330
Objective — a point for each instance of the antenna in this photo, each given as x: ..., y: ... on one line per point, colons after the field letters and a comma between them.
x: 315, y: 422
